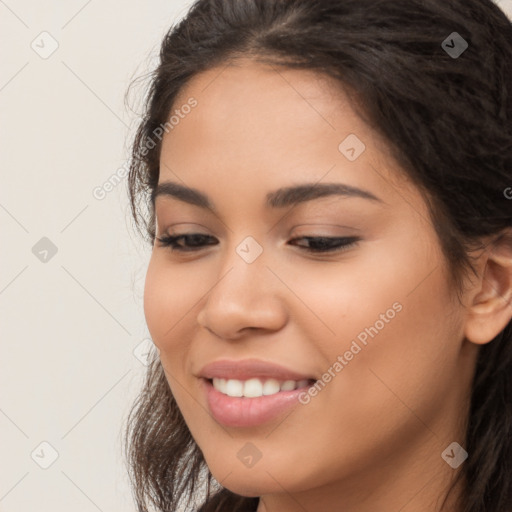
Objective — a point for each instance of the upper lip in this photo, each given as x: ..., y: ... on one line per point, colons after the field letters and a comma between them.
x: 245, y: 369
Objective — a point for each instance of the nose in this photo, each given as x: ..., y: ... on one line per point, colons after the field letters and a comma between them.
x: 245, y: 297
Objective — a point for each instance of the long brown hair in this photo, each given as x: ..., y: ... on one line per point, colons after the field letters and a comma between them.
x: 448, y: 122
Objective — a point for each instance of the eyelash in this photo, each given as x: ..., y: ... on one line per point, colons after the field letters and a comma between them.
x: 171, y: 242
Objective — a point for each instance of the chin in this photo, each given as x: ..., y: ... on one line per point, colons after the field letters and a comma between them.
x: 247, y: 486
x: 258, y: 480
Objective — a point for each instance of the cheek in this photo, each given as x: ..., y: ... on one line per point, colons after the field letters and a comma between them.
x: 159, y: 303
x: 394, y: 323
x: 400, y: 357
x: 169, y: 297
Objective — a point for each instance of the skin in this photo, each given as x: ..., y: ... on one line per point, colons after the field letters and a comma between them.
x: 372, y: 438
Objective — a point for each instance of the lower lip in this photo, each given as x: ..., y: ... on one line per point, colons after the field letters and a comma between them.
x: 249, y: 412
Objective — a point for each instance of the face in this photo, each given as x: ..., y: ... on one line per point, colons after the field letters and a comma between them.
x: 364, y: 307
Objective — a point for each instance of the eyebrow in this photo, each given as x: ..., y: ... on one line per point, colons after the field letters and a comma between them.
x: 279, y: 198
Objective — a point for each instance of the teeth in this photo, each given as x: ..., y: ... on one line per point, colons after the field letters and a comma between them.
x: 253, y: 388
x: 221, y: 385
x: 234, y: 388
x: 271, y: 387
x: 288, y: 385
x: 303, y: 383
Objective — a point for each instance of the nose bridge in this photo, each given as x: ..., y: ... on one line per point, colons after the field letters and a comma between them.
x: 246, y: 293
x: 244, y: 266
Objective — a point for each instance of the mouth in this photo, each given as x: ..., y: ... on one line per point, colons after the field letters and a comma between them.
x: 250, y: 392
x: 248, y: 405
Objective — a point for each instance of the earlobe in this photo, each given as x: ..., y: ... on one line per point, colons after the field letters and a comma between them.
x: 490, y: 310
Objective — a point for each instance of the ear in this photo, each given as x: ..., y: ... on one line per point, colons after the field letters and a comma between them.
x: 490, y: 298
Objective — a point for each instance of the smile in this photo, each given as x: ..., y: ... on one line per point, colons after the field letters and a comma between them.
x: 253, y: 388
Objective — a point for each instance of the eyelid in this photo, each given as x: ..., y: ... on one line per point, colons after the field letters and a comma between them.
x: 169, y: 226
x: 315, y: 229
x: 320, y: 224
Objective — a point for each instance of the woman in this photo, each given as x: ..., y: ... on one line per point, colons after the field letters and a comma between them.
x: 326, y: 186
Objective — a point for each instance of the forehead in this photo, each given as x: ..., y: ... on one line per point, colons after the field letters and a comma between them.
x: 266, y: 126
x: 267, y: 100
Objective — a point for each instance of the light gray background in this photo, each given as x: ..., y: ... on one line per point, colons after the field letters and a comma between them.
x: 73, y: 331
